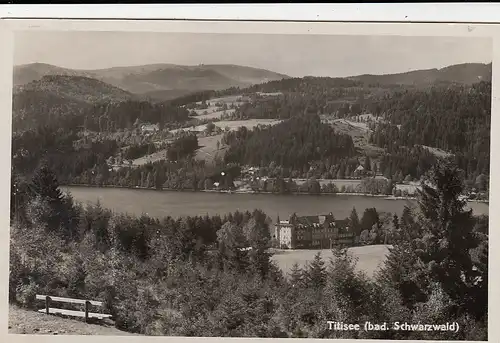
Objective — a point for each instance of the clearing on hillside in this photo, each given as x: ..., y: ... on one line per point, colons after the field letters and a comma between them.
x: 360, y: 134
x: 437, y: 152
x: 208, y: 148
x: 369, y: 257
x: 230, y: 124
x: 213, y: 115
x: 154, y: 157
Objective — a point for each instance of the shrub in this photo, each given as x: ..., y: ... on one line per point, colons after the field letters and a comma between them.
x: 26, y: 294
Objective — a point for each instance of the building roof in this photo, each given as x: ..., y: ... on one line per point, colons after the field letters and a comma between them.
x: 342, y: 222
x: 311, y: 220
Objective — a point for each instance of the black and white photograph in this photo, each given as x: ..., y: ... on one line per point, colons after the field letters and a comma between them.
x: 200, y: 184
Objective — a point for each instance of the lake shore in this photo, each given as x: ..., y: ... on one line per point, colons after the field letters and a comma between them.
x: 384, y: 196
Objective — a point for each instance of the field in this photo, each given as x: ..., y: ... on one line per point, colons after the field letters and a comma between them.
x: 212, y: 115
x: 353, y: 125
x: 437, y: 152
x: 359, y: 133
x: 208, y: 145
x: 230, y: 125
x: 369, y: 257
x: 208, y: 148
x: 249, y: 124
x: 410, y: 188
x: 269, y: 94
x: 231, y: 99
x: 156, y: 156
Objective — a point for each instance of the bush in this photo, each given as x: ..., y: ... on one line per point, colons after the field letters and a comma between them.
x: 26, y: 294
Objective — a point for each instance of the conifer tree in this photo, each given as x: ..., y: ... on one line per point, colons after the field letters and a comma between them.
x: 315, y: 275
x: 354, y: 222
x: 44, y: 184
x: 448, y: 231
x: 367, y: 165
x: 296, y: 276
x: 45, y: 188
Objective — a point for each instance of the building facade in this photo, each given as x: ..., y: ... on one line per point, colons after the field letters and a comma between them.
x: 150, y: 128
x: 312, y: 232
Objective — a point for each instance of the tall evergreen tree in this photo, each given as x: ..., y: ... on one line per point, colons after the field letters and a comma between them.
x: 354, y: 222
x: 368, y: 164
x: 315, y: 274
x: 45, y: 187
x: 448, y: 231
x: 44, y: 184
x: 296, y: 276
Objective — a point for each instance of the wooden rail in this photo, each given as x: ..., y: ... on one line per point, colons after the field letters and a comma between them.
x: 84, y: 314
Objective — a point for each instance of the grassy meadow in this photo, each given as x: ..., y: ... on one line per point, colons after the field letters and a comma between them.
x: 369, y: 257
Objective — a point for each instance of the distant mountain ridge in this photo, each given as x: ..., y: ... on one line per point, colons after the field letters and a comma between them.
x: 157, y: 78
x: 466, y: 73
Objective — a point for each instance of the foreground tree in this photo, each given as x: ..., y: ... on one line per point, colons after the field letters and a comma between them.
x: 440, y: 253
x: 354, y: 222
x: 448, y: 232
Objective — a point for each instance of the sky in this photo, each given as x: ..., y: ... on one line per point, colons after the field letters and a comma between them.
x: 293, y: 55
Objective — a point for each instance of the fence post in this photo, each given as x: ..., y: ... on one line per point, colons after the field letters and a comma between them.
x: 47, y: 302
x: 87, y: 305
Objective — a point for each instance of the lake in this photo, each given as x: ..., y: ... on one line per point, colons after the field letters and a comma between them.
x: 176, y: 204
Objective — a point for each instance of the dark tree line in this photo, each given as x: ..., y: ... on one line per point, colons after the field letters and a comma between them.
x: 182, y: 147
x: 63, y: 150
x: 294, y: 143
x: 112, y: 116
x: 406, y: 163
x: 186, y: 174
x: 307, y: 84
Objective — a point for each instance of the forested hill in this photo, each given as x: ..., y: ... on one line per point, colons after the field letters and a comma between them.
x: 292, y: 144
x: 33, y: 108
x: 467, y: 73
x: 456, y: 119
x: 72, y: 102
x: 77, y: 87
x: 308, y: 84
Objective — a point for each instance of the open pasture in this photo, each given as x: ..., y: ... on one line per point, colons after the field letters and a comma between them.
x: 370, y: 257
x: 212, y: 115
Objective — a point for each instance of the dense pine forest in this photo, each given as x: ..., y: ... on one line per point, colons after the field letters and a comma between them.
x: 156, y: 275
x: 291, y: 144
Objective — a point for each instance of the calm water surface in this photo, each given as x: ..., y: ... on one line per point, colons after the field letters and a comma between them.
x: 175, y: 204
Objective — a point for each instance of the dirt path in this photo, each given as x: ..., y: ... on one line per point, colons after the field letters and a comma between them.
x: 31, y: 322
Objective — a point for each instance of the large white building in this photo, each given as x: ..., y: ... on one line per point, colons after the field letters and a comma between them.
x: 312, y: 232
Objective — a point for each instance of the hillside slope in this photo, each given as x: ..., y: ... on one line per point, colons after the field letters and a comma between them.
x: 467, y: 73
x: 77, y: 87
x: 157, y: 77
x: 23, y: 321
x: 24, y: 74
x: 55, y: 97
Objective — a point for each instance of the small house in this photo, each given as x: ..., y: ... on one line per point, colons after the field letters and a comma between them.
x: 149, y: 127
x: 359, y: 171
